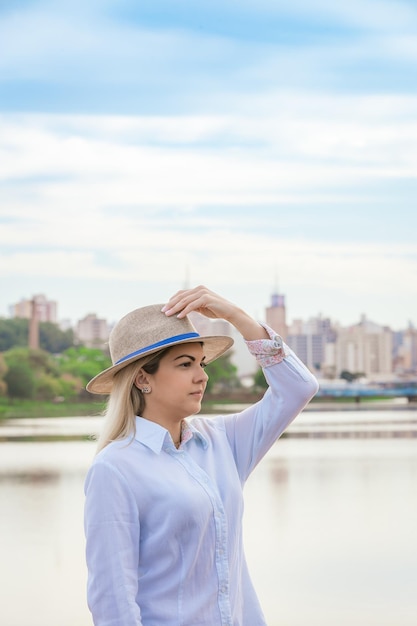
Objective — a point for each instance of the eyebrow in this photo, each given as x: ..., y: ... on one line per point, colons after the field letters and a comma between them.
x: 188, y: 356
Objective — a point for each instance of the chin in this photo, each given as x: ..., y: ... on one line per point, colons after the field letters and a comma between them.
x: 196, y: 410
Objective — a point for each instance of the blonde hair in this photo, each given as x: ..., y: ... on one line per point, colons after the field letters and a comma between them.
x: 125, y: 401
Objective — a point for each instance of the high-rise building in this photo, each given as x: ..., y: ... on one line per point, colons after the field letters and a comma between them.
x: 275, y: 315
x: 405, y: 351
x: 92, y: 331
x: 410, y: 349
x: 364, y: 348
x: 46, y: 310
x: 310, y: 341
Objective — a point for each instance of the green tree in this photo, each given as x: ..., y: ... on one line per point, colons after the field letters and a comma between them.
x: 39, y: 375
x: 222, y: 374
x: 82, y: 363
x: 13, y: 332
x: 47, y: 387
x: 346, y: 375
x: 351, y: 376
x: 259, y: 380
x: 20, y: 380
x: 53, y: 339
x: 70, y: 386
x: 31, y: 373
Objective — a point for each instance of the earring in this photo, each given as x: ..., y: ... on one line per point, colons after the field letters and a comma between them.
x: 146, y: 389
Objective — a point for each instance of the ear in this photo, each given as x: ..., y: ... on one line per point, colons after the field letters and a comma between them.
x: 141, y: 378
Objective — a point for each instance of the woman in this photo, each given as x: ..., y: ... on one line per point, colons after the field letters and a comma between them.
x: 164, y: 505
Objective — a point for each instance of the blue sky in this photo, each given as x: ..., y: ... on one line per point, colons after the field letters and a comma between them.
x: 234, y: 144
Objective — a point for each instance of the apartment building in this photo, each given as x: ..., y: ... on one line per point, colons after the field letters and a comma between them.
x: 45, y: 310
x: 365, y: 347
x: 92, y: 331
x: 310, y: 340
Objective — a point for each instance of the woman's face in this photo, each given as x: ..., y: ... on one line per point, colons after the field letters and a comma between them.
x: 177, y: 388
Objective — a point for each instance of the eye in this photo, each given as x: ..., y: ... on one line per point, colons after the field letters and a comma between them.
x: 203, y: 364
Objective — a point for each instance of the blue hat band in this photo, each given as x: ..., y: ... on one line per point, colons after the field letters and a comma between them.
x: 159, y: 344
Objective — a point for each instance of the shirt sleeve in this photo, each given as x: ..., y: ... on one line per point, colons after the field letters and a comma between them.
x: 270, y: 351
x: 253, y: 431
x: 112, y: 532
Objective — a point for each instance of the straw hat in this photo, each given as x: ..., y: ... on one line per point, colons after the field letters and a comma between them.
x: 145, y: 331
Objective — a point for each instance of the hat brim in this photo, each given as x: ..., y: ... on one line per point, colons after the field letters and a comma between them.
x: 214, y: 346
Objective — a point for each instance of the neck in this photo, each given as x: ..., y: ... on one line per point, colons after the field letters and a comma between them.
x: 176, y: 436
x: 174, y: 428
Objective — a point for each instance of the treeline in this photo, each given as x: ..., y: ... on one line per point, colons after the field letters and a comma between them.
x: 15, y: 332
x: 60, y: 370
x: 40, y: 375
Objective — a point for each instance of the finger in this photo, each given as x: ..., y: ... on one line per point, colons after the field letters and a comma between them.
x: 174, y: 300
x: 186, y: 300
x: 184, y: 306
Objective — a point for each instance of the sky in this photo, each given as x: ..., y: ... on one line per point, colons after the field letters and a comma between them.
x: 249, y: 146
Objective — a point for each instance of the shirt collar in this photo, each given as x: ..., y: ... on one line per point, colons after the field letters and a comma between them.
x: 154, y: 436
x: 195, y: 433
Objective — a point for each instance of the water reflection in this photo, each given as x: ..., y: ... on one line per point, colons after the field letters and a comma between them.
x: 343, y: 423
x: 339, y: 517
x: 33, y: 477
x: 329, y: 530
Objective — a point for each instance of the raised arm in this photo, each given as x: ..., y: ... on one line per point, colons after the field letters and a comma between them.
x: 212, y: 305
x: 252, y: 432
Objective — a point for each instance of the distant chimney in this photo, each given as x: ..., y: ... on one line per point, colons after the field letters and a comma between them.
x: 34, y: 326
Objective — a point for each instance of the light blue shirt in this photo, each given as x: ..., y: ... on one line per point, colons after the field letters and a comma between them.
x: 164, y: 526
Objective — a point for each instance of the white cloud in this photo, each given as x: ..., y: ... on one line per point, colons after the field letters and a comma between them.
x: 80, y: 44
x: 91, y: 256
x: 244, y: 261
x: 70, y: 168
x: 116, y: 200
x: 376, y: 15
x: 57, y: 44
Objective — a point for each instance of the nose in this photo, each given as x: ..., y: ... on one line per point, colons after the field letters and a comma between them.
x: 201, y: 375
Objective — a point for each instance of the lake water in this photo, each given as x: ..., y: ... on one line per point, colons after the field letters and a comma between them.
x: 330, y: 523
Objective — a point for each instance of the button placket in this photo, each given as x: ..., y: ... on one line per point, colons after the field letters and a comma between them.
x: 220, y: 524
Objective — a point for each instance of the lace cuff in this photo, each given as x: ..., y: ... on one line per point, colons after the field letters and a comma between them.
x: 267, y: 351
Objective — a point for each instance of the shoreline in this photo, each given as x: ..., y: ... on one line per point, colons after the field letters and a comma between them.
x: 212, y: 405
x: 368, y: 405
x: 317, y: 420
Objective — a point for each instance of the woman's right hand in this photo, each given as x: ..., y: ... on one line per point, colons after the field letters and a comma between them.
x: 212, y: 305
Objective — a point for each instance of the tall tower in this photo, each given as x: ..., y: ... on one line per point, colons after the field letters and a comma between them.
x: 34, y: 326
x: 276, y: 314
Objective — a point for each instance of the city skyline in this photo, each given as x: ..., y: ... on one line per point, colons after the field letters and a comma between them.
x: 323, y: 346
x: 145, y: 146
x: 20, y: 309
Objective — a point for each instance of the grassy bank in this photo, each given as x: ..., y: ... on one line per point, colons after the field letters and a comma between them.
x: 29, y: 408
x: 10, y: 409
